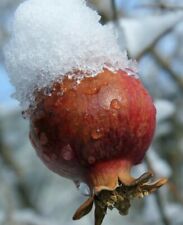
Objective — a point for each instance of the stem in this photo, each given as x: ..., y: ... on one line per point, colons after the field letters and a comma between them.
x: 114, y: 9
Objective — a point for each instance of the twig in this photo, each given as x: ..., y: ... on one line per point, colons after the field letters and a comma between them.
x: 165, y: 65
x: 153, y: 44
x: 161, y: 6
x: 114, y: 10
x: 157, y: 195
x: 174, y: 190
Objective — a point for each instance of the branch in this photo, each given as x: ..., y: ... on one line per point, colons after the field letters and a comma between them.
x: 114, y: 10
x: 165, y: 65
x: 161, y: 6
x: 174, y: 190
x: 157, y: 195
x: 153, y: 44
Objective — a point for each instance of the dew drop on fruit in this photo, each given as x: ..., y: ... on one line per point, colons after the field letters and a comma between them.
x: 67, y: 153
x: 115, y: 104
x: 83, y: 188
x: 97, y: 134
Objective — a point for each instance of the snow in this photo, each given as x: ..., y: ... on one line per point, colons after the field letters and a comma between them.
x: 51, y: 38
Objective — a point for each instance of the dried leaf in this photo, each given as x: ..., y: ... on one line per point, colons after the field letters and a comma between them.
x: 99, y: 214
x: 84, y: 209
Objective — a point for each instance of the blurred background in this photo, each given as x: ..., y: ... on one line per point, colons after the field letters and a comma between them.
x: 30, y: 194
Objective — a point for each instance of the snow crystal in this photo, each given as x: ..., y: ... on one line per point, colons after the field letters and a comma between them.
x: 51, y: 38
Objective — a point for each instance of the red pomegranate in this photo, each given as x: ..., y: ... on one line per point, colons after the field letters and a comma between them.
x: 94, y: 131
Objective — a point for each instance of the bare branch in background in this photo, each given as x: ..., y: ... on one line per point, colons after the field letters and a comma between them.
x: 165, y: 65
x: 157, y: 196
x: 114, y: 10
x: 161, y: 6
x: 150, y: 47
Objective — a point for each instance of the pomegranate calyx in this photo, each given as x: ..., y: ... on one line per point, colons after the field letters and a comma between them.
x: 119, y: 198
x: 84, y: 209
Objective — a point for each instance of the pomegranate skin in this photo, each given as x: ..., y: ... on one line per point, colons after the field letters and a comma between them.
x: 94, y: 130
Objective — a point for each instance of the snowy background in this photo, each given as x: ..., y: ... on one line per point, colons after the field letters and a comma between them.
x: 152, y: 32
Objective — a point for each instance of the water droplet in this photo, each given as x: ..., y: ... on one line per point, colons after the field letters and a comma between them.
x: 83, y: 188
x: 115, y: 104
x: 67, y: 152
x: 70, y: 77
x: 91, y: 160
x: 97, y: 134
x: 43, y: 139
x: 78, y: 81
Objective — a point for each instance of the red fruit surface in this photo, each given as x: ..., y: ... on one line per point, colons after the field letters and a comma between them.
x: 94, y: 130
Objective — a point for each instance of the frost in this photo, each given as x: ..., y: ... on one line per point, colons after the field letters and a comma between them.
x: 51, y: 38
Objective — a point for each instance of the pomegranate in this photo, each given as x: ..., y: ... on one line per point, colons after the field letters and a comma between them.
x: 94, y: 130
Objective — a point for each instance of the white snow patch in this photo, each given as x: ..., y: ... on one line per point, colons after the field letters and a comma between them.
x: 51, y: 38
